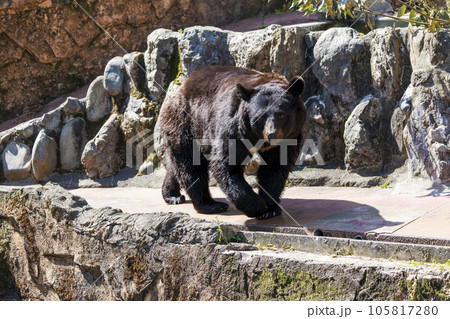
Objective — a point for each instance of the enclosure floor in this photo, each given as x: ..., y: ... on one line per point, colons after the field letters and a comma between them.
x: 346, y: 209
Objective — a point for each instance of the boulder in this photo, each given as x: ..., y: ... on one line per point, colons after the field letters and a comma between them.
x: 162, y: 61
x: 342, y: 64
x: 398, y: 121
x: 98, y: 101
x: 16, y: 161
x: 44, y: 157
x: 362, y: 135
x: 251, y: 49
x: 288, y: 51
x: 138, y: 125
x: 73, y: 107
x: 325, y: 127
x: 100, y: 157
x: 428, y: 50
x: 113, y: 76
x: 389, y: 61
x: 51, y: 121
x: 27, y: 130
x: 71, y: 143
x: 203, y: 46
x: 427, y: 131
x: 139, y: 115
x: 136, y: 76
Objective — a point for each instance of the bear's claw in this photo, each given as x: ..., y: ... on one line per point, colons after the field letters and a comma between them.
x: 270, y: 214
x: 175, y: 200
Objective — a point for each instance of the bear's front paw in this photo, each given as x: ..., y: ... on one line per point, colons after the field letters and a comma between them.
x: 175, y: 200
x: 271, y: 212
x: 211, y: 207
x: 252, y: 206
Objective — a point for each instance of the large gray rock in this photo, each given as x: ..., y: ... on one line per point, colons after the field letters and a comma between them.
x: 389, y: 61
x: 139, y: 115
x: 98, y: 101
x: 398, y: 121
x: 44, y: 157
x: 427, y: 132
x: 136, y: 76
x: 162, y: 61
x: 51, y: 121
x: 204, y: 46
x: 71, y: 143
x: 428, y: 50
x: 27, y: 130
x: 362, y: 135
x: 100, y: 158
x: 72, y: 108
x: 138, y: 125
x: 288, y: 51
x: 342, y: 64
x: 113, y: 76
x: 250, y: 49
x: 325, y: 127
x: 16, y: 161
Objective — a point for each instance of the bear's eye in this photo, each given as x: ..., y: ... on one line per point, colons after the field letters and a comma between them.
x: 281, y: 116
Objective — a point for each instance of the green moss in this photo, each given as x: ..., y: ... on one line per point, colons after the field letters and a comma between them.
x: 428, y: 289
x: 179, y: 69
x: 302, y: 285
x: 345, y: 251
x: 136, y: 93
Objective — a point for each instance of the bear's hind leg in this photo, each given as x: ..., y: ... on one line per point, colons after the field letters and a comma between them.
x: 198, y: 191
x: 194, y: 179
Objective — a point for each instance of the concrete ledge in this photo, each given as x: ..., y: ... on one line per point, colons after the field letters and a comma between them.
x: 350, y: 247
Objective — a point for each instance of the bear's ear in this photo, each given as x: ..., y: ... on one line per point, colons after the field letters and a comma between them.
x: 243, y: 92
x: 296, y: 86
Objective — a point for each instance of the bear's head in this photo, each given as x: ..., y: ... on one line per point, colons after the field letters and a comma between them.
x: 273, y: 111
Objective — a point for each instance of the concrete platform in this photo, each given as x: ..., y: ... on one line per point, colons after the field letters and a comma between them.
x: 343, y: 212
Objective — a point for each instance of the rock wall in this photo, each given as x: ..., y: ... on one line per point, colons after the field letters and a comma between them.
x: 59, y: 248
x: 53, y: 47
x: 373, y: 101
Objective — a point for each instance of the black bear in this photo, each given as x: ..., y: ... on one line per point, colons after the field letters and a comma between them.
x: 210, y: 125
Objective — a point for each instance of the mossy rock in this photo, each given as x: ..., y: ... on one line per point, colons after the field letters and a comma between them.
x: 301, y: 285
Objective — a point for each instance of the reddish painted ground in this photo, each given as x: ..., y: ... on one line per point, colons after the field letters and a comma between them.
x: 346, y: 209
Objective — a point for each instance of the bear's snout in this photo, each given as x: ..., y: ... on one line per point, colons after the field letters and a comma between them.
x: 272, y: 132
x: 272, y: 135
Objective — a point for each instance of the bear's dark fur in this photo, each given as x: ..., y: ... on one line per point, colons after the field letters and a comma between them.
x: 223, y: 104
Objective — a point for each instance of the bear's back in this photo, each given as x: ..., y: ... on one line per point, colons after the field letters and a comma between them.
x: 216, y: 81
